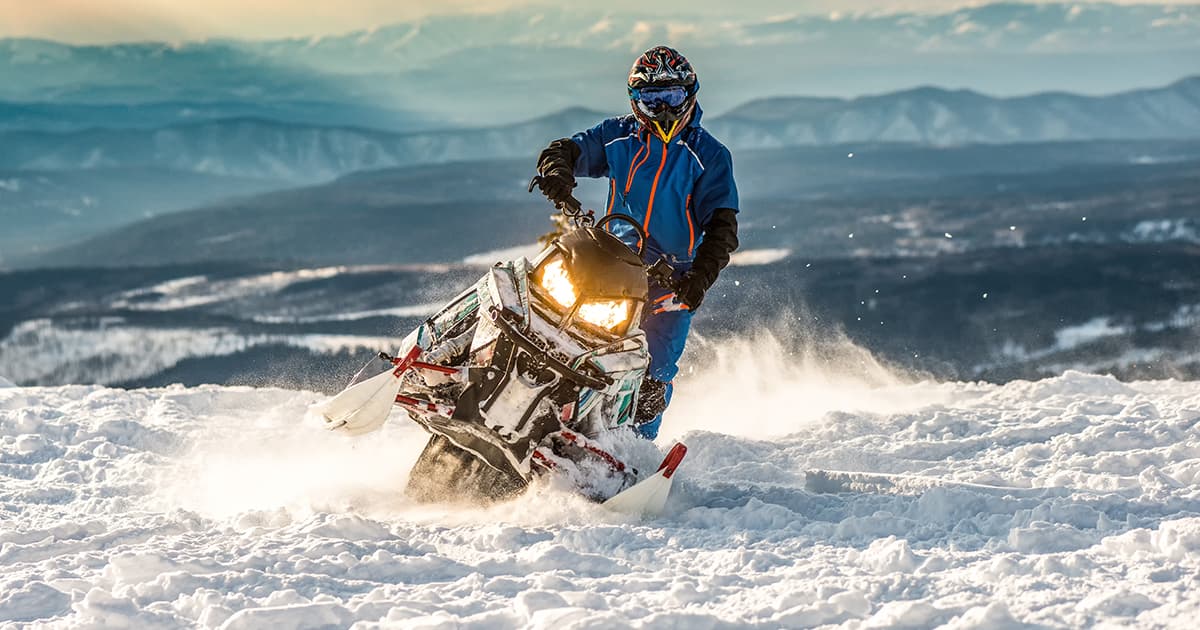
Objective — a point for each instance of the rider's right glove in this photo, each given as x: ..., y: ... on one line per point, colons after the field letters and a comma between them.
x: 720, y: 239
x: 556, y: 165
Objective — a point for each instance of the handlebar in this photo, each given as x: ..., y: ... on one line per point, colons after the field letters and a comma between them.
x: 571, y: 207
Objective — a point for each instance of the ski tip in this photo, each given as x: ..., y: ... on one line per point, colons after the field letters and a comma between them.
x: 672, y: 460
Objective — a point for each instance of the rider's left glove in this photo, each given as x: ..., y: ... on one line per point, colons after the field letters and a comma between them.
x: 556, y: 165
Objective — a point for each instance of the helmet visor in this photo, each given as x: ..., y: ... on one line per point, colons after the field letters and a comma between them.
x: 655, y: 98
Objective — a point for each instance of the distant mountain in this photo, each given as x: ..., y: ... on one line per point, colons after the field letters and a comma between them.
x: 368, y: 217
x: 944, y: 117
x: 305, y: 154
x: 485, y: 68
x: 43, y: 210
x: 74, y: 117
x: 274, y: 150
x: 892, y: 199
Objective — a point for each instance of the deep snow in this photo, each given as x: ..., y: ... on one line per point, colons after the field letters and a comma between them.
x: 1066, y: 502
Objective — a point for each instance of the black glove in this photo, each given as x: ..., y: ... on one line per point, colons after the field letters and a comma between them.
x: 556, y: 165
x: 691, y: 289
x: 720, y: 239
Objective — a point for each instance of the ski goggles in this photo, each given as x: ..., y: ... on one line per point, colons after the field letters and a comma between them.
x: 656, y: 97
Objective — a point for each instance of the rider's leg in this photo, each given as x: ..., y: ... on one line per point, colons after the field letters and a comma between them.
x: 666, y: 334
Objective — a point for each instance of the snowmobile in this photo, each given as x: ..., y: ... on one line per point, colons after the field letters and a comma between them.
x: 517, y: 376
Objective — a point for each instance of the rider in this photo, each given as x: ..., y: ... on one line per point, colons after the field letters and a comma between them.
x: 667, y: 172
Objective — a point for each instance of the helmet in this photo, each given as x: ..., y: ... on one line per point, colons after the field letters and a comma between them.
x: 662, y: 89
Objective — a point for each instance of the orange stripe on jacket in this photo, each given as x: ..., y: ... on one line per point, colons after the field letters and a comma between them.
x: 634, y: 165
x: 687, y: 213
x: 654, y: 189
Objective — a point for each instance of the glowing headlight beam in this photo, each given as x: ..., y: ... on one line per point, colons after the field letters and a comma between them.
x: 607, y: 314
x: 557, y: 283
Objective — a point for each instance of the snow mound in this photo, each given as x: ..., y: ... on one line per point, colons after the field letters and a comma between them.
x: 1073, y: 501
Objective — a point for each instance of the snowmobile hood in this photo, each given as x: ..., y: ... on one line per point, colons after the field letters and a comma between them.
x: 601, y: 265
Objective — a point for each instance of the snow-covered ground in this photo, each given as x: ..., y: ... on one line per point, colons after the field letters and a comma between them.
x: 812, y: 495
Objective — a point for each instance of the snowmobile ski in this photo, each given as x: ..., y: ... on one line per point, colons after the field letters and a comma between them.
x: 649, y: 496
x: 364, y: 406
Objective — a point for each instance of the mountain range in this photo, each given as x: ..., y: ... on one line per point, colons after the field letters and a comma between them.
x: 61, y: 117
x: 303, y: 153
x: 898, y: 200
x: 484, y: 67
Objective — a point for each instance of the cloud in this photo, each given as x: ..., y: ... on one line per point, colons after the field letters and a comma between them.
x: 97, y: 21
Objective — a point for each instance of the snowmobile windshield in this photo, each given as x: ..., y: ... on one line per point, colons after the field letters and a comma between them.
x: 591, y: 278
x: 610, y: 314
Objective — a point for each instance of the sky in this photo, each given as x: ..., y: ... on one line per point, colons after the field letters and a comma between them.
x: 105, y: 21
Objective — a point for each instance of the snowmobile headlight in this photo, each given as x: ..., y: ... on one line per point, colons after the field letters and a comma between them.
x: 607, y: 314
x: 557, y: 283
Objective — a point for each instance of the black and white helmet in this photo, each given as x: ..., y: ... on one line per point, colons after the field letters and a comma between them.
x: 662, y: 87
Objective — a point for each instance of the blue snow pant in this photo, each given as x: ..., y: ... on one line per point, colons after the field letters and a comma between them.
x: 666, y: 334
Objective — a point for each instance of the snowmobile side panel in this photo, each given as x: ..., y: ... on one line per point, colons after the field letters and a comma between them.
x: 503, y: 289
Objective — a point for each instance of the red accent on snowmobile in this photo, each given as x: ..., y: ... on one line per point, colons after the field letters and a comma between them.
x: 668, y: 466
x: 424, y: 405
x: 616, y: 464
x: 402, y: 365
x: 421, y: 365
x: 544, y: 461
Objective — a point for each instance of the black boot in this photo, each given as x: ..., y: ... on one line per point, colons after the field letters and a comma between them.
x: 652, y: 401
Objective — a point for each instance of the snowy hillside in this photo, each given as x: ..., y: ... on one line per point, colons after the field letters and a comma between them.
x: 1071, y: 501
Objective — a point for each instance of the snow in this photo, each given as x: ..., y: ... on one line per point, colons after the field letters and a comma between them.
x: 1087, y: 332
x: 489, y: 258
x: 820, y: 489
x: 752, y: 257
x: 415, y: 310
x: 193, y: 291
x: 40, y: 350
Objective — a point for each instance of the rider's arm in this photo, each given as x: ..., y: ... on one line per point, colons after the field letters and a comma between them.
x: 591, y: 160
x: 716, y: 211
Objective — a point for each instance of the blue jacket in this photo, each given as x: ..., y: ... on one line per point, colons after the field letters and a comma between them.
x: 671, y: 189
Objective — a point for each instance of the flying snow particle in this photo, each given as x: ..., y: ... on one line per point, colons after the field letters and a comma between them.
x: 1085, y: 218
x: 737, y: 283
x: 1011, y: 228
x: 852, y: 235
x: 985, y: 296
x: 949, y: 235
x: 850, y: 155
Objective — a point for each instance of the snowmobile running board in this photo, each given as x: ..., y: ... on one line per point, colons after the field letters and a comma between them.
x: 649, y: 496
